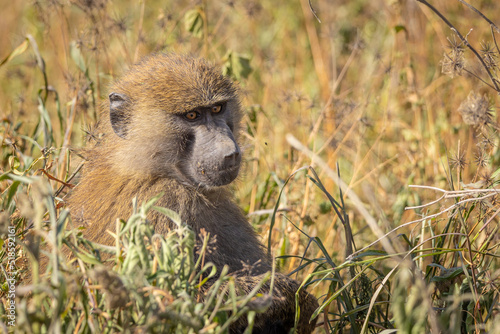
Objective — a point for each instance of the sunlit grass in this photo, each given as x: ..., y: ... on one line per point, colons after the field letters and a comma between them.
x: 383, y: 94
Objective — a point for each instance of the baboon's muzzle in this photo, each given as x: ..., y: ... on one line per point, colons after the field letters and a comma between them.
x: 216, y: 156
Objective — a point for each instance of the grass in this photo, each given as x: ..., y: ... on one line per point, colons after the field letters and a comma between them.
x: 394, y: 228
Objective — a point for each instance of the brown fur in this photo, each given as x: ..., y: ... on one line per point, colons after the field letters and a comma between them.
x: 120, y: 169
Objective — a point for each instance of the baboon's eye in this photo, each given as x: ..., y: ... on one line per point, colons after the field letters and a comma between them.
x: 217, y: 108
x: 191, y: 115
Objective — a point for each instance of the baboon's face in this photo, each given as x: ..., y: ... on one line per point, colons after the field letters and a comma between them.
x: 183, y: 126
x: 214, y: 156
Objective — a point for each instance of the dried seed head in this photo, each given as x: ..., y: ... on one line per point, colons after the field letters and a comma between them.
x: 211, y: 246
x: 88, y: 5
x: 453, y: 62
x: 476, y: 110
x: 488, y: 179
x: 362, y: 290
x: 481, y: 158
x: 458, y: 160
x: 487, y: 140
x: 121, y: 24
x: 489, y: 55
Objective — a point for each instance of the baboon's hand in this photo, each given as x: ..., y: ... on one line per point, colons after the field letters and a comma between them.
x: 280, y: 317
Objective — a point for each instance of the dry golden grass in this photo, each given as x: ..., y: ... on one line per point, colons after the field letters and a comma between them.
x: 381, y: 89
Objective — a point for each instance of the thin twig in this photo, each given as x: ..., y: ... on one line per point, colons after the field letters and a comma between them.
x: 452, y: 195
x: 489, y: 220
x: 139, y: 33
x: 77, y: 170
x: 479, y: 78
x: 464, y: 40
x: 446, y: 194
x: 481, y: 14
x: 53, y: 178
x: 494, y: 39
x: 313, y: 11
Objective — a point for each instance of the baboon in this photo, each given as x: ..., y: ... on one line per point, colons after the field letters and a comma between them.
x: 171, y: 125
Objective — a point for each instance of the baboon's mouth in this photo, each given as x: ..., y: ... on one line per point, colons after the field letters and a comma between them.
x: 218, y: 177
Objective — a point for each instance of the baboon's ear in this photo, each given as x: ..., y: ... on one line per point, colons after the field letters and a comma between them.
x: 118, y: 107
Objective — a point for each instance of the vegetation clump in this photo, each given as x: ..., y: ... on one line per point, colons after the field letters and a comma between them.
x: 371, y: 164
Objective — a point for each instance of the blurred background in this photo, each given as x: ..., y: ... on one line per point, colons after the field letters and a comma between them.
x: 384, y: 92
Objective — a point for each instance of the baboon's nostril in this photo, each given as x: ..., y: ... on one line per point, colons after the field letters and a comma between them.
x: 232, y: 159
x: 232, y: 156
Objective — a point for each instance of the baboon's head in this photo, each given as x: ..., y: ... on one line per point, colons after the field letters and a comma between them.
x: 175, y: 116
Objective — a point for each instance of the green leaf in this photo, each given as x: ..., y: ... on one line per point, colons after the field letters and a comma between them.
x: 87, y: 258
x: 14, y: 177
x: 76, y: 55
x: 370, y: 253
x: 496, y: 173
x: 447, y: 274
x: 399, y: 28
x: 236, y: 65
x: 48, y: 138
x: 325, y: 207
x: 11, y: 192
x: 14, y: 162
x: 16, y: 52
x: 174, y: 216
x: 149, y: 204
x: 193, y: 21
